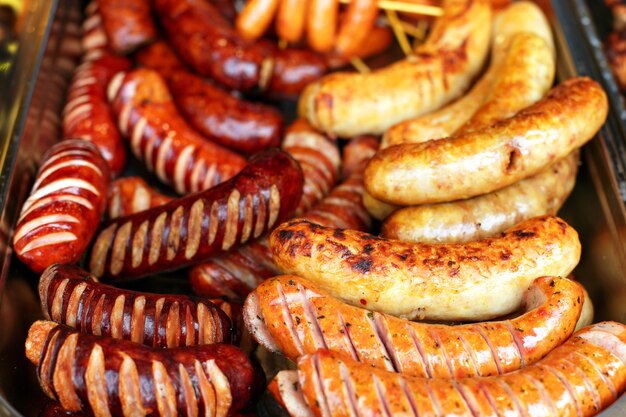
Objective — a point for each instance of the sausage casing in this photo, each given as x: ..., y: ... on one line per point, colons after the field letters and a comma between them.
x: 129, y: 195
x: 71, y: 296
x: 104, y: 376
x: 191, y: 229
x: 127, y: 23
x: 459, y: 282
x: 65, y: 205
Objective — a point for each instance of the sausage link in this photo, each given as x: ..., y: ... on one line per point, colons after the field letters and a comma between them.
x: 290, y: 19
x: 161, y: 138
x: 191, y: 229
x: 377, y: 41
x: 356, y: 154
x: 255, y: 18
x: 292, y: 316
x: 127, y: 23
x: 94, y: 41
x: 486, y: 160
x: 465, y: 281
x: 130, y: 195
x: 71, y: 296
x: 87, y: 113
x: 323, y: 16
x: 488, y: 214
x: 356, y: 24
x: 579, y: 378
x: 103, y: 376
x: 235, y: 274
x: 63, y: 211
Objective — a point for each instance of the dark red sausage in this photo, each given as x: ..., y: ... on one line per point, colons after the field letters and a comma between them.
x: 87, y: 113
x: 130, y: 195
x: 104, y: 376
x: 71, y: 296
x: 62, y: 213
x: 127, y: 23
x: 162, y: 139
x: 191, y: 229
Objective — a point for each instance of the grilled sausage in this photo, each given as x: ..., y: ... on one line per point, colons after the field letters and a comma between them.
x: 103, y: 376
x: 235, y: 274
x: 127, y: 23
x: 579, y: 378
x: 290, y: 19
x: 471, y: 281
x: 488, y: 214
x: 488, y: 159
x: 292, y: 316
x: 255, y: 17
x: 87, y: 113
x: 95, y: 43
x: 357, y: 22
x: 161, y: 138
x: 131, y: 195
x: 322, y: 24
x: 71, y: 296
x: 349, y: 104
x: 62, y: 213
x: 191, y: 229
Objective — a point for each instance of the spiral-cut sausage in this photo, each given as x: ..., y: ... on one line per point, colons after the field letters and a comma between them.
x: 62, y: 213
x: 579, y: 378
x: 71, y: 296
x: 87, y: 113
x: 127, y: 23
x: 94, y: 41
x: 161, y: 138
x: 191, y: 229
x: 103, y: 376
x: 131, y: 195
x: 470, y: 281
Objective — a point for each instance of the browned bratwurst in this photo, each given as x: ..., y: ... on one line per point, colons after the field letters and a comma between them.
x: 228, y: 120
x: 161, y: 138
x: 191, y: 229
x: 209, y: 44
x: 65, y: 205
x: 127, y: 23
x: 103, y: 376
x: 129, y: 195
x: 71, y: 296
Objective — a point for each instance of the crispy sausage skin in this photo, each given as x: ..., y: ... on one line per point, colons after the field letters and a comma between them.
x: 350, y: 104
x: 237, y: 273
x: 103, y: 376
x: 191, y: 229
x: 127, y: 23
x: 494, y: 157
x: 290, y: 315
x: 131, y: 195
x: 71, y: 296
x: 228, y: 120
x: 209, y: 44
x: 579, y: 378
x: 65, y: 205
x: 87, y: 113
x: 488, y: 214
x: 460, y: 282
x: 161, y: 138
x: 94, y: 40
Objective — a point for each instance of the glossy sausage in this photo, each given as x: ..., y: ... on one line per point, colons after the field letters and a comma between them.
x: 290, y: 19
x: 494, y: 157
x: 235, y: 274
x: 255, y: 17
x: 127, y: 23
x: 290, y: 315
x: 488, y: 214
x: 579, y: 378
x: 71, y: 296
x: 103, y: 376
x: 131, y: 195
x: 357, y: 22
x: 470, y: 281
x: 350, y: 104
x: 94, y: 41
x: 322, y: 24
x: 87, y: 113
x: 161, y: 138
x: 63, y: 211
x: 191, y: 229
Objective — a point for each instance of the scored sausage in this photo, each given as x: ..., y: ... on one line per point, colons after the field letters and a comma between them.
x: 160, y: 137
x: 579, y: 378
x: 191, y: 229
x: 103, y: 376
x: 469, y: 281
x: 128, y: 23
x: 71, y: 296
x: 290, y: 315
x: 65, y: 205
x: 350, y: 104
x: 488, y: 214
x: 131, y: 195
x: 494, y: 157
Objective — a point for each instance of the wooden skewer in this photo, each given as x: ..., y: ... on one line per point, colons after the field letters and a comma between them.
x: 398, y: 31
x: 404, y: 7
x: 360, y: 65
